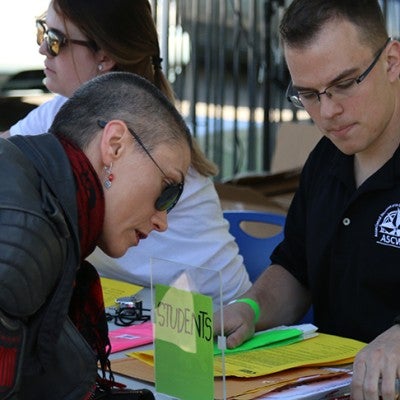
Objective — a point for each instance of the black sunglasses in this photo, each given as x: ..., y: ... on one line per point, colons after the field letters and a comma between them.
x: 56, y: 40
x: 171, y: 194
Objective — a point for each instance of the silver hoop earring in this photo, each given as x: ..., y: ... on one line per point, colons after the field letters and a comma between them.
x: 109, y: 176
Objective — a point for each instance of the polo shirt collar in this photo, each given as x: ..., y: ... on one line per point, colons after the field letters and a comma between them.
x: 342, y: 167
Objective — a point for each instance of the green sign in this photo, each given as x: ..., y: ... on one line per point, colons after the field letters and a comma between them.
x: 183, y: 344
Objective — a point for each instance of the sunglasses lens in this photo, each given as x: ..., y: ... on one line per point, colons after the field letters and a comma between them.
x: 53, y: 41
x: 39, y: 33
x: 169, y: 197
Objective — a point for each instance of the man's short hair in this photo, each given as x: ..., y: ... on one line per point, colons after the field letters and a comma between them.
x: 304, y: 19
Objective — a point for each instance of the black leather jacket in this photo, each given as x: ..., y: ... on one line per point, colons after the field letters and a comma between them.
x: 39, y: 256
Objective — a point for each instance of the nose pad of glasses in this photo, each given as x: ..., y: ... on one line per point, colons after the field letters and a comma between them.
x: 44, y: 48
x: 51, y: 46
x: 326, y: 93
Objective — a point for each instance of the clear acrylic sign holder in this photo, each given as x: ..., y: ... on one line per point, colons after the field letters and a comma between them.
x: 186, y: 283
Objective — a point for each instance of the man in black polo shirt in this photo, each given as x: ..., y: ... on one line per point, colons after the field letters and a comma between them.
x: 341, y: 250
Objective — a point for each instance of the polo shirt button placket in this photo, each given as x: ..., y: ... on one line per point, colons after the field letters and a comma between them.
x: 346, y: 221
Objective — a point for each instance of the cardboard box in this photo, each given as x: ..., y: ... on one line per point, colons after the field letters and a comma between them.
x: 273, y: 191
x: 237, y: 197
x: 293, y: 144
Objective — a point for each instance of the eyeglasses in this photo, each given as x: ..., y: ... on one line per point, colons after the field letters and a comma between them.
x: 340, y: 90
x: 172, y: 192
x: 56, y: 40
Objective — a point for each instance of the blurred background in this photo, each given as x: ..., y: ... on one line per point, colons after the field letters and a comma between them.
x: 222, y: 57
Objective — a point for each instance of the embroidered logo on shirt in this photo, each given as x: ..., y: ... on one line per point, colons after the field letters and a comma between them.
x: 387, y: 227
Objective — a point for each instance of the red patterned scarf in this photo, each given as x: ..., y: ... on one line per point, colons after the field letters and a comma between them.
x: 87, y: 305
x: 89, y: 196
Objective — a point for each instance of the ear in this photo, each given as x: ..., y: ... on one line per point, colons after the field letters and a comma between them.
x: 393, y: 60
x: 105, y: 61
x: 114, y: 141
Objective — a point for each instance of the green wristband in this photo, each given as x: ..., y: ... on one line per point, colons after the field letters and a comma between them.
x: 253, y: 304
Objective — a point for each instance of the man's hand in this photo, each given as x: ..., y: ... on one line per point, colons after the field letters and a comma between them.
x: 282, y: 301
x: 238, y: 326
x: 378, y: 361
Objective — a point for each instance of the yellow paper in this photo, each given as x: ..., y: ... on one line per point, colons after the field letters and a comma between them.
x: 112, y: 289
x: 318, y: 351
x: 322, y: 350
x: 146, y: 356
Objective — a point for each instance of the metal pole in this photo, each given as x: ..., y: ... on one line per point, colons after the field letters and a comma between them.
x: 164, y: 34
x: 267, y: 86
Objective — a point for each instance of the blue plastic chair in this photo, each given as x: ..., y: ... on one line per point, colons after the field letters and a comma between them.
x: 254, y: 250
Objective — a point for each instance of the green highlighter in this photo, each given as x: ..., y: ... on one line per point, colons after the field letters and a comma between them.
x: 271, y: 338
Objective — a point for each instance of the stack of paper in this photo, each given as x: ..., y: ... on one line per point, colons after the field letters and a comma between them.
x: 251, y: 388
x: 262, y: 371
x: 321, y: 350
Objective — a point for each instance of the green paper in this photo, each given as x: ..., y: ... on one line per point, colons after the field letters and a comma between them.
x: 183, y: 344
x: 277, y: 337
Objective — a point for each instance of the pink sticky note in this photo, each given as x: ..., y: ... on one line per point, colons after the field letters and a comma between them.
x: 131, y: 336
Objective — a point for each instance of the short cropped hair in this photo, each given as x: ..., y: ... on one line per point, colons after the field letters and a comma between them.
x: 124, y: 96
x: 304, y: 19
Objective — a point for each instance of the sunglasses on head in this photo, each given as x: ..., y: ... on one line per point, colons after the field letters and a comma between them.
x: 171, y: 193
x: 56, y: 40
